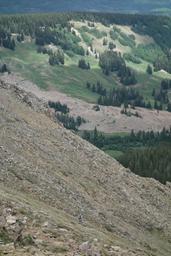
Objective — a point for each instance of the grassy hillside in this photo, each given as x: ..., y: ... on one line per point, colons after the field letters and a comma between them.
x: 71, y: 79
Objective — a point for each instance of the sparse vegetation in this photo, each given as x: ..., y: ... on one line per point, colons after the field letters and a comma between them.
x: 4, y: 237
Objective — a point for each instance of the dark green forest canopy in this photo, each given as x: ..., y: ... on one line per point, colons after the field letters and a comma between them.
x: 132, y: 6
x: 147, y: 154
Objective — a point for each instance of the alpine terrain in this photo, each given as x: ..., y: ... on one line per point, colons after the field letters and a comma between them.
x: 62, y: 196
x: 85, y: 128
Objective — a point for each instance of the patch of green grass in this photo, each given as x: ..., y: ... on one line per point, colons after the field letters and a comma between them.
x: 4, y: 237
x: 114, y: 35
x: 85, y: 36
x: 126, y: 40
x: 98, y: 34
x: 132, y: 58
x: 148, y: 52
x: 93, y: 31
x: 113, y: 153
x: 27, y: 240
x: 69, y: 78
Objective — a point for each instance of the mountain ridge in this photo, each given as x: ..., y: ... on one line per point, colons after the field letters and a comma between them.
x: 135, y: 6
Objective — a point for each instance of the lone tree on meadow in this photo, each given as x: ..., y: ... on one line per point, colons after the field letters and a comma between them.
x: 149, y: 70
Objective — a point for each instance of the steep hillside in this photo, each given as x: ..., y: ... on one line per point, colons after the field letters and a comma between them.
x: 59, y: 195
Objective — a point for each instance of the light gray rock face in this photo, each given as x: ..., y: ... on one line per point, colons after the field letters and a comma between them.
x: 56, y: 177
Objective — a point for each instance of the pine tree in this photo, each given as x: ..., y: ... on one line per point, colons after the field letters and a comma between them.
x: 149, y: 70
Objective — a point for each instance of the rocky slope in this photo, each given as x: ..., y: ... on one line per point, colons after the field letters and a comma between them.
x: 109, y: 119
x: 59, y: 195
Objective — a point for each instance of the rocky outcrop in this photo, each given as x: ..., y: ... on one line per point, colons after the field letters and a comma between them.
x: 62, y: 196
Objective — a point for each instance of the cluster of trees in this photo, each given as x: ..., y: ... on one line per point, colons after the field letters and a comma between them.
x: 57, y: 106
x: 44, y: 28
x: 149, y: 70
x: 4, y: 68
x: 111, y: 61
x: 148, y: 154
x: 127, y: 112
x: 127, y: 75
x: 97, y: 88
x: 161, y: 95
x: 129, y: 141
x: 94, y: 137
x: 132, y: 58
x: 6, y: 40
x: 83, y: 64
x: 59, y: 36
x: 56, y: 29
x: 111, y: 46
x: 56, y: 58
x: 69, y: 122
x: 20, y: 37
x: 163, y: 62
x: 61, y: 114
x: 130, y: 96
x: 152, y: 162
x: 157, y: 27
x: 119, y: 96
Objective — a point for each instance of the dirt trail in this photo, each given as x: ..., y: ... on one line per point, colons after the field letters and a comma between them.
x: 108, y: 119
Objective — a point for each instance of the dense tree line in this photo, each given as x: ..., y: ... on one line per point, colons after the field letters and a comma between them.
x: 161, y: 95
x: 130, y: 96
x: 163, y: 62
x: 119, y: 96
x: 6, y: 40
x: 147, y: 154
x: 152, y: 162
x: 111, y: 61
x: 132, y: 140
x: 95, y: 137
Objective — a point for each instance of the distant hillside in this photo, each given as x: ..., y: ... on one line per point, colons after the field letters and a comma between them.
x: 51, y: 58
x: 140, y: 6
